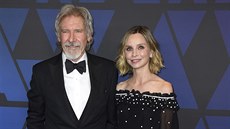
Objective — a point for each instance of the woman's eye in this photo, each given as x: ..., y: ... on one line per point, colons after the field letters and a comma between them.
x: 128, y: 49
x: 141, y: 47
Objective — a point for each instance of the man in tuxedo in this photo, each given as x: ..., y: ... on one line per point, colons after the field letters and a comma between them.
x: 74, y: 89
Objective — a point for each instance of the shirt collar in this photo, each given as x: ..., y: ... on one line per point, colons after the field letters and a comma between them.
x: 83, y: 57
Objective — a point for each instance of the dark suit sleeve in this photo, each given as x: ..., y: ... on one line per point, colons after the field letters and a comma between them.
x: 111, y: 124
x: 35, y: 118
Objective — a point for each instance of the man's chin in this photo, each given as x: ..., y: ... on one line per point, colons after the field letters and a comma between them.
x: 72, y: 57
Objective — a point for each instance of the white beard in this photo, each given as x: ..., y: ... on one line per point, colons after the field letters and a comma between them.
x: 70, y: 55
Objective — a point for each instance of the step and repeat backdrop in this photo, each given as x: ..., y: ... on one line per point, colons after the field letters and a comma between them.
x: 194, y: 38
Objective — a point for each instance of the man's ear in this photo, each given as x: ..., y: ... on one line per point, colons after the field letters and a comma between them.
x: 89, y: 39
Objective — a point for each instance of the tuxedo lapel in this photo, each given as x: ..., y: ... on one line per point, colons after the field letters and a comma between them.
x: 56, y: 68
x: 95, y: 86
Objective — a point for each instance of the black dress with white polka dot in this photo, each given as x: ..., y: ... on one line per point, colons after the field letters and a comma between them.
x: 136, y: 110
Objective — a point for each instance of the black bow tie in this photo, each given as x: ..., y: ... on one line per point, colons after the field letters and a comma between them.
x: 70, y: 66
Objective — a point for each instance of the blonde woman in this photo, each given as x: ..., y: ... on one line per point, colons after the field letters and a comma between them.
x: 144, y: 100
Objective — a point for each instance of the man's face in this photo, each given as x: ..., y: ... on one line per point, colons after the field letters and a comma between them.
x: 73, y: 37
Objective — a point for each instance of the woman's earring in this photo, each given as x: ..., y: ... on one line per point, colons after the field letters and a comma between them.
x: 151, y: 55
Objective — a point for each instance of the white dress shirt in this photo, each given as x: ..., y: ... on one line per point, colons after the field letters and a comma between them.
x: 77, y: 86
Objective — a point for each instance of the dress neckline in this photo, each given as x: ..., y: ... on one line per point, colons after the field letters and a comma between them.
x: 134, y: 91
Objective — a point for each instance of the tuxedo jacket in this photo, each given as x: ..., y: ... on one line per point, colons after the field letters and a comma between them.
x: 48, y: 104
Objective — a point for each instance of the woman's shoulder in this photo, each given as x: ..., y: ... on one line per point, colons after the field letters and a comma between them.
x: 167, y: 87
x: 160, y: 85
x: 122, y: 85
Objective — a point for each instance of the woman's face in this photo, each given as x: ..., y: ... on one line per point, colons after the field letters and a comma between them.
x: 137, y: 51
x: 73, y: 37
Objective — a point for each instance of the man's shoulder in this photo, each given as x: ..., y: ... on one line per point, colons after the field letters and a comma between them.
x: 50, y: 60
x: 99, y: 59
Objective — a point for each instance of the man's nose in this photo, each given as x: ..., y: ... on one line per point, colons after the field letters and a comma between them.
x: 71, y: 37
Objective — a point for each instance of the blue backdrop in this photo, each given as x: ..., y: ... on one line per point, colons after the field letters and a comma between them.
x: 194, y: 37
